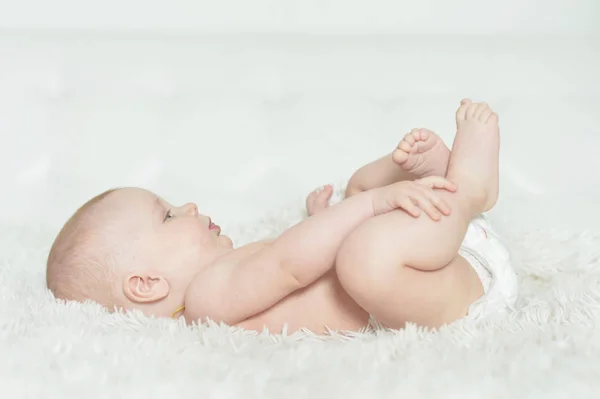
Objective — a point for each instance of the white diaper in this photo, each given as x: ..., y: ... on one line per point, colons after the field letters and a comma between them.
x: 491, y: 260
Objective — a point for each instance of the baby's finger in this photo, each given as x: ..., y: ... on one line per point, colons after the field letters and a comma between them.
x: 442, y: 183
x: 409, y: 206
x: 438, y: 182
x: 425, y: 204
x: 327, y: 191
x: 311, y: 198
x: 437, y: 201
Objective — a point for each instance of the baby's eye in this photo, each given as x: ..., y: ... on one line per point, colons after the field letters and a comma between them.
x: 168, y: 215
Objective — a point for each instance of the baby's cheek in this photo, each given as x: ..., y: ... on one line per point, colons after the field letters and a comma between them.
x: 195, y: 237
x: 194, y: 254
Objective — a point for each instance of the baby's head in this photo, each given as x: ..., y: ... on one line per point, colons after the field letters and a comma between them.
x: 128, y: 248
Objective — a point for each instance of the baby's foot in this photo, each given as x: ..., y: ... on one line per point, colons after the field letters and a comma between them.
x: 474, y: 160
x: 422, y: 153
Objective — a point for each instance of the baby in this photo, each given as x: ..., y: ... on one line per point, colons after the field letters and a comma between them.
x: 406, y: 245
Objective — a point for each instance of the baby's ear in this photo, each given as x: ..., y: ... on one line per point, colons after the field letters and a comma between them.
x: 144, y: 287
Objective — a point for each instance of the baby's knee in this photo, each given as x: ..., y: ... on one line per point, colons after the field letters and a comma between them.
x: 353, y: 266
x: 366, y: 257
x: 357, y: 248
x: 352, y: 189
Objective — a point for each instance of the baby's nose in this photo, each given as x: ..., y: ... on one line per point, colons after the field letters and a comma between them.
x: 190, y: 208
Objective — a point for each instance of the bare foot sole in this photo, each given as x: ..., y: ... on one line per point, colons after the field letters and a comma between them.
x: 422, y: 153
x: 474, y: 160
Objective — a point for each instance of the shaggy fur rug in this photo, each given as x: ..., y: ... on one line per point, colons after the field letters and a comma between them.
x: 548, y: 347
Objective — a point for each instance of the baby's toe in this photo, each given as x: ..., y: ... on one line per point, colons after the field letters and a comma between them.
x: 485, y: 115
x: 410, y: 137
x: 416, y: 135
x: 400, y: 156
x: 471, y: 110
x: 479, y: 110
x: 461, y: 112
x: 425, y: 134
x: 405, y: 146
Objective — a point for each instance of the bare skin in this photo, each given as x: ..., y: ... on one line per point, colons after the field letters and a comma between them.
x: 414, y: 262
x: 291, y: 280
x: 422, y: 153
x: 419, y: 154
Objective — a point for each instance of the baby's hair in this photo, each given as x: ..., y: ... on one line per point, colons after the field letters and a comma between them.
x: 74, y: 271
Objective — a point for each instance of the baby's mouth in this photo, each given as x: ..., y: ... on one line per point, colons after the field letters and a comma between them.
x: 214, y: 227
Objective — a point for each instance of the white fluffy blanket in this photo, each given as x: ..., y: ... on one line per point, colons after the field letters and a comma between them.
x: 246, y: 127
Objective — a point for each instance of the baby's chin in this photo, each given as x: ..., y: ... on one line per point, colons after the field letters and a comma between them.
x: 225, y: 241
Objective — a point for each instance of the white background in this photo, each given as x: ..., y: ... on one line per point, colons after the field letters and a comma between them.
x: 392, y: 16
x: 243, y: 106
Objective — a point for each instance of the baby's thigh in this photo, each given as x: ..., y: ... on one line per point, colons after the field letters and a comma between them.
x: 395, y: 294
x: 428, y: 298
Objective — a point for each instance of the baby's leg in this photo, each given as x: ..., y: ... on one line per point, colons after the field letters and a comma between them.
x: 401, y: 268
x: 421, y: 153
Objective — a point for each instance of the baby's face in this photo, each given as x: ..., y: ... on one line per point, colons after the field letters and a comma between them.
x: 176, y: 242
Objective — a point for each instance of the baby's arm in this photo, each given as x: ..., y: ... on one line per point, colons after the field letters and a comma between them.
x: 232, y: 291
x: 308, y: 250
x: 379, y: 173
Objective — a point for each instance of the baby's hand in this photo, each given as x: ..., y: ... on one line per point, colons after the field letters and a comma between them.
x: 414, y: 197
x: 318, y: 200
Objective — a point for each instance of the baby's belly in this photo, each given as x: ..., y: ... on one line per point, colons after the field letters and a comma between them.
x: 318, y: 307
